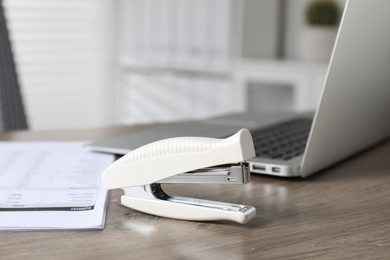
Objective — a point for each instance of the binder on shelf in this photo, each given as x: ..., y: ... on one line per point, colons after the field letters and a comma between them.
x: 221, y: 49
x: 178, y: 34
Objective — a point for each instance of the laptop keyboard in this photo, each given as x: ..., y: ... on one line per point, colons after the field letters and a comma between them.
x: 282, y: 141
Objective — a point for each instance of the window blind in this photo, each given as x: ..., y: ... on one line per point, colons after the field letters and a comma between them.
x: 65, y: 56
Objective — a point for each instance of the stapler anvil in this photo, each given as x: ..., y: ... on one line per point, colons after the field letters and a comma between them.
x: 141, y: 172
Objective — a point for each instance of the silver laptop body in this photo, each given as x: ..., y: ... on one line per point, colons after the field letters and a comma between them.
x: 353, y: 113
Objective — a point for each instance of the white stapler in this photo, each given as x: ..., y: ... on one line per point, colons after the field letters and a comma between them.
x: 141, y: 172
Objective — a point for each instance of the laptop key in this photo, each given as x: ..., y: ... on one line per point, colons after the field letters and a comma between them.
x: 283, y: 141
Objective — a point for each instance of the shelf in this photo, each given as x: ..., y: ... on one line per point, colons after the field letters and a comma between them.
x: 306, y: 79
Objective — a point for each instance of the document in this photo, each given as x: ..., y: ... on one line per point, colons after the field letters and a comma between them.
x: 51, y: 185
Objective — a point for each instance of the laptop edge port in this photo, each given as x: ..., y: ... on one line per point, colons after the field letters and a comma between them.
x: 258, y: 168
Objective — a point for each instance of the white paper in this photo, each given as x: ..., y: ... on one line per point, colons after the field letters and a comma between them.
x: 51, y: 185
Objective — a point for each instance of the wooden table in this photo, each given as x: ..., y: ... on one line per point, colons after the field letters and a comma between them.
x: 342, y: 212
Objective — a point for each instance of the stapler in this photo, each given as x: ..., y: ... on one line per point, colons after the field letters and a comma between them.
x: 141, y: 172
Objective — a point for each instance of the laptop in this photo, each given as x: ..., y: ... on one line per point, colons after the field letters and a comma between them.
x: 353, y: 113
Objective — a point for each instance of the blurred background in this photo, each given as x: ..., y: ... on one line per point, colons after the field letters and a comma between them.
x: 96, y: 63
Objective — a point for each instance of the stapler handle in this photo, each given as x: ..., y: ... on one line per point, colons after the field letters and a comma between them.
x: 165, y: 158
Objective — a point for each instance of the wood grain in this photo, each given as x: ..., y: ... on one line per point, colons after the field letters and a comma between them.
x: 341, y: 212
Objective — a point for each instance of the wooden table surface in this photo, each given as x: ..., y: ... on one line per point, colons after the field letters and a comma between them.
x: 341, y: 212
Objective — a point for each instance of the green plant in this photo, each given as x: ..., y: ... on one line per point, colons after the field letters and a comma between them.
x: 323, y: 13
